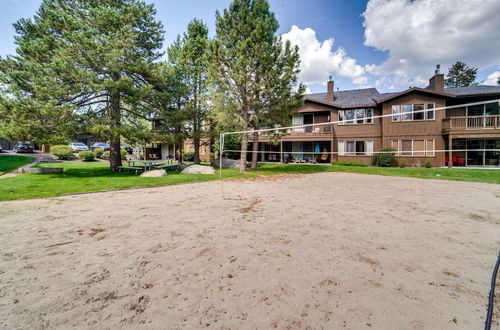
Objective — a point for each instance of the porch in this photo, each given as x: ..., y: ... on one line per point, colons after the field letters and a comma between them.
x: 312, y: 152
x: 473, y: 152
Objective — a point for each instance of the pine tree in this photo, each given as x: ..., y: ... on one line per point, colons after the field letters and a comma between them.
x: 460, y: 75
x: 83, y: 62
x: 192, y: 60
x: 254, y: 73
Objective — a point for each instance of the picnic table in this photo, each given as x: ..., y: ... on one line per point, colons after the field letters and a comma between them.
x: 146, y: 165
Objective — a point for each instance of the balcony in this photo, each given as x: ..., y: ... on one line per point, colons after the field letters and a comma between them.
x: 471, y: 123
x: 308, y: 133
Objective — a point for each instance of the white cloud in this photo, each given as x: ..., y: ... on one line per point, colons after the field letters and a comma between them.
x: 419, y: 34
x: 318, y: 59
x: 492, y: 79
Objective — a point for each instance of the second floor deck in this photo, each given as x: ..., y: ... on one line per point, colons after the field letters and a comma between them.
x: 471, y: 124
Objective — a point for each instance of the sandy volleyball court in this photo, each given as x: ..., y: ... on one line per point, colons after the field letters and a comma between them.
x: 326, y: 250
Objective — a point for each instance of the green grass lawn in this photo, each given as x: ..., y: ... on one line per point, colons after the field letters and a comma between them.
x: 81, y: 177
x: 9, y: 163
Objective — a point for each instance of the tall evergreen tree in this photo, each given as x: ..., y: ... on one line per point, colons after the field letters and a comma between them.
x: 193, y: 60
x: 88, y: 61
x: 254, y: 73
x: 460, y: 75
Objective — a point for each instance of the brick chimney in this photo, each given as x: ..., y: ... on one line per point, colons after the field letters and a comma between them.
x: 437, y: 81
x: 330, y: 97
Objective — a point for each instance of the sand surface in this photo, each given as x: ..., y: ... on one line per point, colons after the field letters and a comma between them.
x: 321, y: 251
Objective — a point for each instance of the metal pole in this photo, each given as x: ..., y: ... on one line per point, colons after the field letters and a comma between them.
x: 221, y: 146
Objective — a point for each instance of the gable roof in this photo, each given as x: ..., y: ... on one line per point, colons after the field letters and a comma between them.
x: 348, y: 98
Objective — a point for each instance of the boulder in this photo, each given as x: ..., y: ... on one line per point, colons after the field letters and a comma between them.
x: 154, y: 174
x: 226, y: 163
x: 198, y: 169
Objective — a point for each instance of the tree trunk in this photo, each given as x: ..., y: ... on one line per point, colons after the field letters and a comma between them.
x: 196, y: 143
x: 115, y: 158
x: 255, y: 149
x: 244, y: 146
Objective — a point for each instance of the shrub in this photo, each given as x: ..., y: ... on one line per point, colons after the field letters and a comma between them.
x: 385, y: 159
x: 188, y: 156
x: 62, y: 152
x: 86, y: 156
x: 107, y: 154
x: 213, y: 156
x: 98, y: 152
x: 347, y: 163
x: 428, y: 163
x: 402, y: 164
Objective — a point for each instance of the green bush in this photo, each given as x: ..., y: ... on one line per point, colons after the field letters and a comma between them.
x: 385, y: 159
x: 98, y: 152
x: 62, y: 152
x: 107, y: 154
x: 188, y: 156
x: 213, y: 156
x: 347, y: 163
x: 86, y: 156
x: 428, y: 163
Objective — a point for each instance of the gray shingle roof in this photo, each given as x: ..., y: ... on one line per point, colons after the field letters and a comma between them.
x: 473, y: 90
x: 370, y: 96
x: 350, y: 98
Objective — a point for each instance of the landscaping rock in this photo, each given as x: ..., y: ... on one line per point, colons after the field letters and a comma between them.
x: 198, y: 169
x: 226, y: 163
x: 154, y: 174
x: 40, y: 170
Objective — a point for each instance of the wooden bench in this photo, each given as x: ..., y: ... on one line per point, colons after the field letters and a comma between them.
x: 135, y: 168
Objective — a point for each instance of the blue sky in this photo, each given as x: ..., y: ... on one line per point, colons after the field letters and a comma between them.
x: 385, y: 44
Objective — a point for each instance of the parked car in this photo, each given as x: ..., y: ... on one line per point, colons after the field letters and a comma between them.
x: 1, y: 148
x: 126, y: 148
x: 96, y: 145
x: 78, y: 146
x: 20, y: 147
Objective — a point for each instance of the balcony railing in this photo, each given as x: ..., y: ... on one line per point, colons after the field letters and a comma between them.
x: 327, y: 128
x: 472, y: 122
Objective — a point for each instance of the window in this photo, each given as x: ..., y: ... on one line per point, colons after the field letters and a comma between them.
x: 418, y: 112
x: 355, y: 148
x: 406, y: 110
x: 395, y: 113
x: 341, y: 148
x: 430, y: 114
x: 429, y: 150
x: 351, y: 148
x: 419, y: 147
x: 360, y: 148
x: 349, y: 116
x: 369, y: 115
x: 360, y: 116
x: 369, y: 148
x: 355, y: 116
x: 409, y: 112
x: 416, y: 148
x: 406, y: 147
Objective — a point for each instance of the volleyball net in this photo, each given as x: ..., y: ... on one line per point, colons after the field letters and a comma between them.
x: 321, y: 142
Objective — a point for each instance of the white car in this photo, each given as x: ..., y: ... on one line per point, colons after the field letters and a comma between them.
x: 78, y: 146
